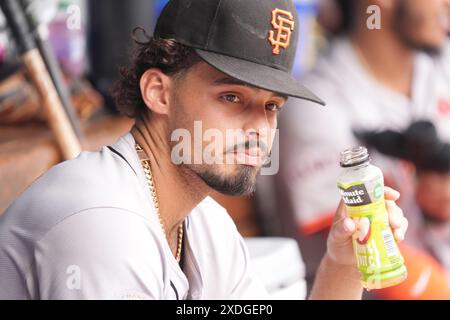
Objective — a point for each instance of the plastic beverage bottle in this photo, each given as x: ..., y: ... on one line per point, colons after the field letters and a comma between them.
x: 377, y: 255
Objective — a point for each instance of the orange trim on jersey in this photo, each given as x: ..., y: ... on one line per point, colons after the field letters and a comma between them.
x: 427, y: 279
x: 324, y: 222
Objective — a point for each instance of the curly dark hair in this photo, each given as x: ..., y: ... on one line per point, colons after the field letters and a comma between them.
x: 168, y: 55
x: 347, y: 12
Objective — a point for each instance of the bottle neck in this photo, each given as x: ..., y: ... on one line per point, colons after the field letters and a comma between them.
x: 354, y: 157
x: 358, y: 166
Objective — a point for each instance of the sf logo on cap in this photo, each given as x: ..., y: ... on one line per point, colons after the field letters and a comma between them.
x: 283, y: 23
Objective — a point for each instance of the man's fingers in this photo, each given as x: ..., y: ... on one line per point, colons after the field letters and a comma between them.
x: 397, y: 220
x: 344, y: 227
x: 343, y: 230
x: 391, y: 194
x: 395, y: 214
x: 403, y: 229
x: 399, y: 235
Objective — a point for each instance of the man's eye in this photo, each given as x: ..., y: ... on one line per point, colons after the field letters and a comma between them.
x: 273, y: 107
x: 231, y: 98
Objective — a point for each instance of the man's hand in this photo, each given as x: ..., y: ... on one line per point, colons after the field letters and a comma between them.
x: 339, y: 244
x: 338, y: 277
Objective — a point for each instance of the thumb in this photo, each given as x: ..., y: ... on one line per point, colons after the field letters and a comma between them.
x: 343, y: 226
x: 341, y: 212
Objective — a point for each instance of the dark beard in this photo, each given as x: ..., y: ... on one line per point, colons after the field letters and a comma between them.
x: 241, y: 184
x: 402, y: 26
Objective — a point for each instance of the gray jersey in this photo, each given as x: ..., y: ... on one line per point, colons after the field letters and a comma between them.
x: 87, y: 229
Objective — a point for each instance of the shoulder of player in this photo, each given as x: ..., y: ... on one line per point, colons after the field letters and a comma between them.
x: 98, y: 167
x: 100, y: 222
x: 93, y: 179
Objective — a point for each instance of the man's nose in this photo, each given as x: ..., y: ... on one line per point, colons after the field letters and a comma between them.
x: 259, y: 132
x: 259, y: 120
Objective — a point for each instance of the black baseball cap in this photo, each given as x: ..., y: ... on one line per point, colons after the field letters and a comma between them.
x: 253, y: 41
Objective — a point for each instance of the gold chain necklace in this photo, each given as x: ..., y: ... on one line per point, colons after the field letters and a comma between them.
x: 151, y: 185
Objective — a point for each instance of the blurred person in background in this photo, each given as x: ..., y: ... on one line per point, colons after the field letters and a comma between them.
x: 426, y: 159
x: 374, y: 78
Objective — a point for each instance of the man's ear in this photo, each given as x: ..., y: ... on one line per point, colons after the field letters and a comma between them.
x: 155, y: 90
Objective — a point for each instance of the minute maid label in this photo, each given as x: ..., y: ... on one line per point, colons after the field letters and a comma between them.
x: 355, y: 195
x: 375, y: 249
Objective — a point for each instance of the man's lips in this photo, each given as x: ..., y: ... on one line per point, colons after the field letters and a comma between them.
x: 252, y: 157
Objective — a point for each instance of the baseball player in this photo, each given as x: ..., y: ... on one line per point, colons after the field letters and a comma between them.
x: 132, y: 220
